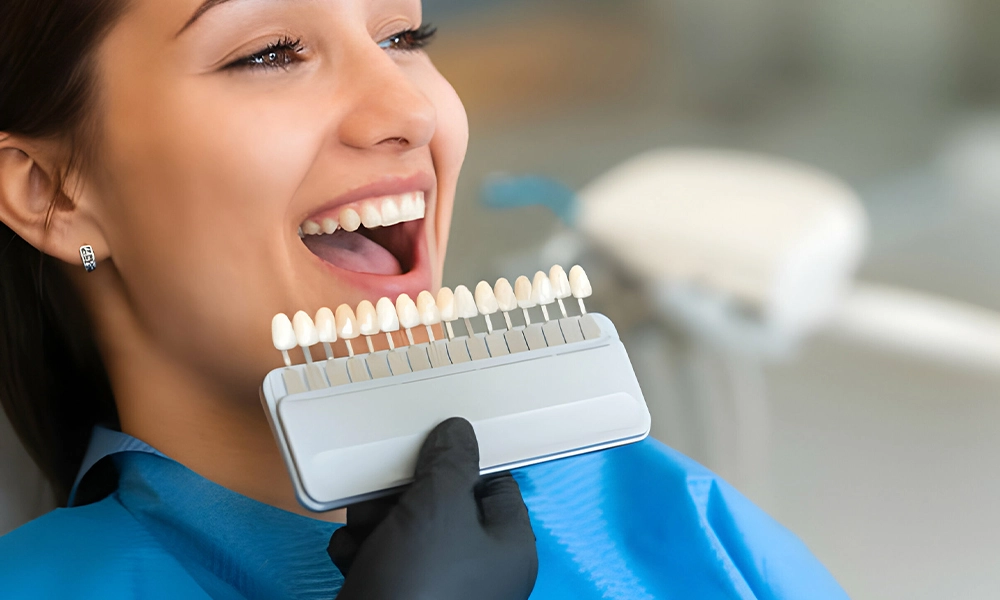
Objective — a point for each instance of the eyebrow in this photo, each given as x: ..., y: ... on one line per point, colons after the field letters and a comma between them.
x: 205, y: 7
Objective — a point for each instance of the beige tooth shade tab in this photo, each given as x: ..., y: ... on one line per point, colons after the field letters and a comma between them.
x: 388, y: 320
x: 409, y: 317
x: 367, y: 322
x: 465, y: 305
x: 283, y: 336
x: 505, y: 299
x: 486, y: 302
x: 429, y: 313
x: 522, y: 292
x: 560, y: 287
x: 579, y: 284
x: 327, y: 327
x: 306, y: 334
x: 541, y: 292
x: 347, y: 326
x: 449, y: 311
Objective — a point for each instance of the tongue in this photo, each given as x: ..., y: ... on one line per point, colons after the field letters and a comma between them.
x: 352, y: 251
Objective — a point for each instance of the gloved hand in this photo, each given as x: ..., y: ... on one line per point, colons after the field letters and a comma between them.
x: 451, y: 535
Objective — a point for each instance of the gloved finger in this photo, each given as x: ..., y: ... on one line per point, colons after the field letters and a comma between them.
x: 363, y: 517
x: 448, y: 462
x: 342, y: 549
x: 502, y: 507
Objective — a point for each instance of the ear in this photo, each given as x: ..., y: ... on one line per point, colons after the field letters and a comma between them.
x: 29, y: 176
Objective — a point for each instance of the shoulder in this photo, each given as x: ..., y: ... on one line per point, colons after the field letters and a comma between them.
x: 93, y: 551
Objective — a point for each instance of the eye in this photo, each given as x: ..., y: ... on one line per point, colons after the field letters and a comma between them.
x: 277, y: 55
x: 409, y: 40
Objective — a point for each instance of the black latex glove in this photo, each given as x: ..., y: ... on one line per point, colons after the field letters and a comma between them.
x: 450, y: 536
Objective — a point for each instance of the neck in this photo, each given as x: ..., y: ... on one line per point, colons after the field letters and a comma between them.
x: 217, y: 430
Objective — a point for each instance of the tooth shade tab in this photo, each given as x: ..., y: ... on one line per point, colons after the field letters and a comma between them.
x: 579, y: 283
x: 560, y: 282
x: 350, y: 220
x: 465, y: 303
x: 522, y: 292
x: 326, y: 325
x: 409, y: 317
x: 388, y: 320
x: 428, y: 309
x: 446, y: 304
x: 541, y: 289
x: 306, y: 333
x: 505, y: 295
x: 347, y: 323
x: 486, y: 300
x: 282, y: 333
x: 367, y: 318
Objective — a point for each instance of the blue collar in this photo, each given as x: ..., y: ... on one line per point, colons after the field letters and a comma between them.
x: 235, y: 547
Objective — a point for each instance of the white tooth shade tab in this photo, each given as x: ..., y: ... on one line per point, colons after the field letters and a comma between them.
x: 409, y: 317
x: 505, y: 295
x: 388, y: 320
x: 283, y: 336
x: 486, y: 300
x: 505, y: 299
x: 560, y: 282
x: 326, y: 325
x: 350, y: 220
x: 347, y: 323
x: 465, y: 304
x: 560, y: 286
x: 367, y: 318
x: 449, y: 311
x: 428, y: 309
x: 579, y: 283
x: 541, y: 292
x: 522, y: 292
x: 306, y: 333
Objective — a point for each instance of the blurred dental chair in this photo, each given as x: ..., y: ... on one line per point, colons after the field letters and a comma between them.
x: 713, y: 263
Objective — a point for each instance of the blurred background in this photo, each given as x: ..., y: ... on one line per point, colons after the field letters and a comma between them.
x: 881, y: 452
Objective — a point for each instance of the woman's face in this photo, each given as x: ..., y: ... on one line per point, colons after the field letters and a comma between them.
x: 225, y: 126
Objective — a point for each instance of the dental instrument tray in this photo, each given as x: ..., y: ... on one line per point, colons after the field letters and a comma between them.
x: 349, y: 428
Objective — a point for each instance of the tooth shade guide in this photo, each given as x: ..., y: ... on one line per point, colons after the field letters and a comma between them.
x: 328, y: 350
x: 583, y: 309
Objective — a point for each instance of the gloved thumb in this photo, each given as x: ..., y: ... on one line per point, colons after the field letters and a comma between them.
x: 448, y: 463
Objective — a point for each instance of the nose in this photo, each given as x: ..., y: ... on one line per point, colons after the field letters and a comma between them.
x: 389, y: 110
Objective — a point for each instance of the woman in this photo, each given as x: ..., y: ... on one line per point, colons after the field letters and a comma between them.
x: 183, y: 144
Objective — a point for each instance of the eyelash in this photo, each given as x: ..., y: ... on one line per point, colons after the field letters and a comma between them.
x: 287, y: 50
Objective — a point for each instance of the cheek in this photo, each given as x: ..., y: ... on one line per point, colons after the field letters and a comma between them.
x: 199, y: 200
x: 448, y: 149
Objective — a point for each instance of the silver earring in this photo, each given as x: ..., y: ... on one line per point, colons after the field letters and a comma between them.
x: 87, y: 255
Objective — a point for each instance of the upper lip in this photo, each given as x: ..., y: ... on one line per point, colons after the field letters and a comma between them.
x: 385, y: 186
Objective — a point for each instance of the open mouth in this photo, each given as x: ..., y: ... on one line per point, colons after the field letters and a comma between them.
x: 376, y: 236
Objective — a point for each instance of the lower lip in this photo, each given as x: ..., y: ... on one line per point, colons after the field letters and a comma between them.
x: 414, y: 281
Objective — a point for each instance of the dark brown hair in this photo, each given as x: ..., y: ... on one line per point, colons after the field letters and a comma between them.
x: 53, y: 384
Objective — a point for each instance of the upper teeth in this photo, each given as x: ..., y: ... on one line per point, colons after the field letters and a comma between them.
x: 377, y: 212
